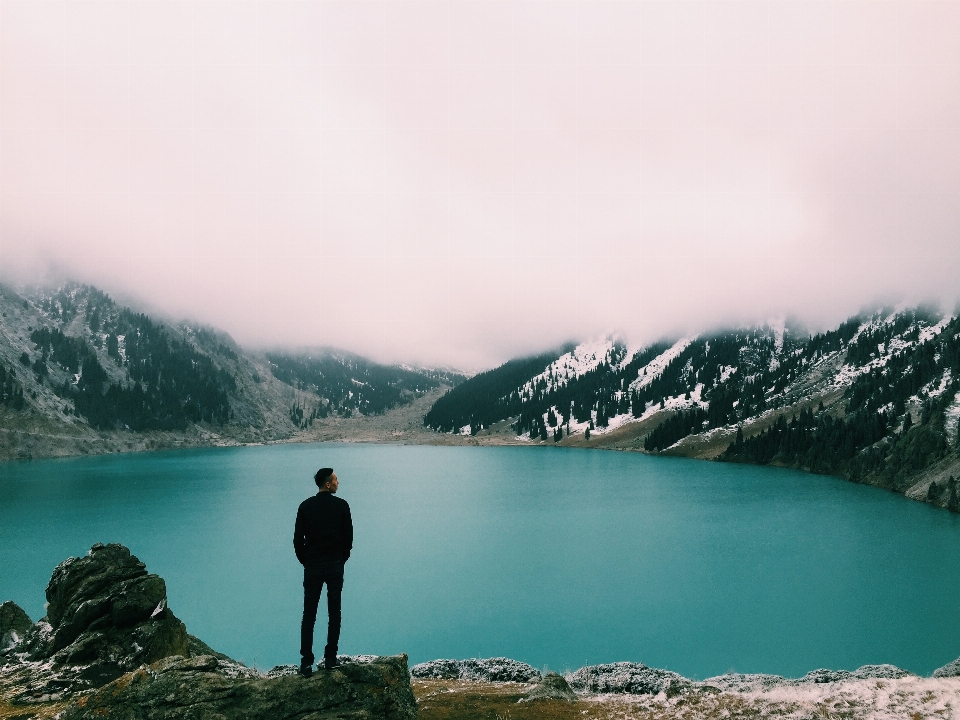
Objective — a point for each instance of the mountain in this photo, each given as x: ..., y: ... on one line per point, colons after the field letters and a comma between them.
x: 876, y: 400
x: 81, y: 373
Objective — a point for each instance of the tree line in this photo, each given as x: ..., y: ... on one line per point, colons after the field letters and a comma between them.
x: 347, y: 384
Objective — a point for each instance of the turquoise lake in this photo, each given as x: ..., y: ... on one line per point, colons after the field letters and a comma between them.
x: 556, y: 557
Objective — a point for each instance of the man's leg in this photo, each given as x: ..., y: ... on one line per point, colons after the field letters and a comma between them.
x: 334, y: 591
x: 312, y: 585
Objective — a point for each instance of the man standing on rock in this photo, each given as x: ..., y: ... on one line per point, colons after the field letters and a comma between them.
x: 322, y: 539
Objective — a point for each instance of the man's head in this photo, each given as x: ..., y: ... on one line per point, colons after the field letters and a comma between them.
x: 326, y: 480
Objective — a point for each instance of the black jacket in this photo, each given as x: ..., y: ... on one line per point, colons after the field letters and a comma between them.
x: 324, y: 530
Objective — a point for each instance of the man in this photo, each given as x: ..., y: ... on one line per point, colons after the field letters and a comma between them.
x: 322, y: 539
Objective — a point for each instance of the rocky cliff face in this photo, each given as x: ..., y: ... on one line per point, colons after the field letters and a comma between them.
x: 105, y: 616
x: 109, y: 645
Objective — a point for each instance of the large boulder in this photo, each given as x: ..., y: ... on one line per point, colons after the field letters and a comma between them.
x: 178, y: 688
x: 14, y: 625
x: 105, y: 616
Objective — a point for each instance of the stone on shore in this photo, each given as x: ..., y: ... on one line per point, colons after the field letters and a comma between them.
x: 951, y: 669
x: 551, y: 687
x: 627, y: 677
x: 14, y: 625
x: 498, y: 669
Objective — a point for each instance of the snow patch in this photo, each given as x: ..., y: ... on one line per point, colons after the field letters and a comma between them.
x: 726, y: 372
x: 935, y: 389
x: 778, y: 326
x: 953, y: 418
x: 161, y: 606
x: 652, y: 370
x: 579, y: 361
x: 929, y: 333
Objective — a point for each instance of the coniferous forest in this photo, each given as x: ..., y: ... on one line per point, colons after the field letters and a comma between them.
x: 876, y: 437
x: 345, y: 384
x: 159, y: 382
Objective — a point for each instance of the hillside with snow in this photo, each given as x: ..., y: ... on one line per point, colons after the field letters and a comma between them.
x: 80, y: 373
x: 876, y: 400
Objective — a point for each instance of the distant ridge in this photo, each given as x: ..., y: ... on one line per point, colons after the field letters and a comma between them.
x: 80, y: 373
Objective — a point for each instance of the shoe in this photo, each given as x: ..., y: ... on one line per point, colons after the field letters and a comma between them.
x: 305, y: 671
x: 330, y: 663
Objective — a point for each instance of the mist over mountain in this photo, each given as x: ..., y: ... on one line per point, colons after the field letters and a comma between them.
x: 81, y: 373
x: 463, y: 183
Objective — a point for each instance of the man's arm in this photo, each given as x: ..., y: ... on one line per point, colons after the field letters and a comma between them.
x: 299, y: 535
x: 347, y: 537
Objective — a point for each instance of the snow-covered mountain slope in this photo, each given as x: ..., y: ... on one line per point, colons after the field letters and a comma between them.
x: 835, y: 402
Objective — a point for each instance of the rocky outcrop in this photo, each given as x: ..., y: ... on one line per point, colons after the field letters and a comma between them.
x: 551, y: 687
x: 638, y: 679
x: 951, y: 669
x: 110, y: 646
x: 627, y: 677
x: 106, y: 615
x: 14, y: 625
x: 734, y: 682
x: 499, y: 669
x: 195, y: 688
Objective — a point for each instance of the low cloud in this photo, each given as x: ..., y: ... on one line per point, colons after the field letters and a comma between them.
x: 460, y: 182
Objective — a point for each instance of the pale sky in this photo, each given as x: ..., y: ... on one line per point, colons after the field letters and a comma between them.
x: 461, y: 182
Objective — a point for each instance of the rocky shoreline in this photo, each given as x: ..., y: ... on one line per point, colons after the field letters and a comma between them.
x: 110, y: 646
x: 503, y: 688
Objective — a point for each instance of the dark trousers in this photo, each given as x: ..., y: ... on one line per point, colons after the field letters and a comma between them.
x: 314, y: 579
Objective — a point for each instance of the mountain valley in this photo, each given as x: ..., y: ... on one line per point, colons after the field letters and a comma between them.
x: 875, y: 400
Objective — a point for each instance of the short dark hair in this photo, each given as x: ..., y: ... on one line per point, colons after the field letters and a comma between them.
x: 323, y: 476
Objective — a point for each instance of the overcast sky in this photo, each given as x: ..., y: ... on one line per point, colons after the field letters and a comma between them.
x: 459, y: 182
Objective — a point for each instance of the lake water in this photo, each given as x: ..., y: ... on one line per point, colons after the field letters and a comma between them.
x: 556, y: 557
